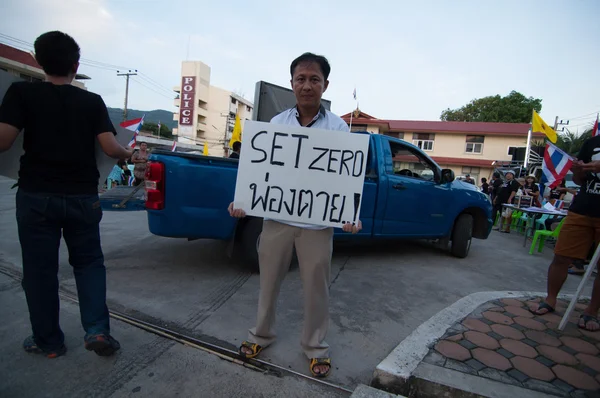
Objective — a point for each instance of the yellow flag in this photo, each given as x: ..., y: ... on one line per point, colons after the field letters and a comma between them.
x: 538, y: 125
x: 205, y: 150
x: 237, y: 131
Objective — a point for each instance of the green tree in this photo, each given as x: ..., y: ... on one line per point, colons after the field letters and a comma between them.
x: 513, y: 108
x: 571, y: 143
x: 165, y: 132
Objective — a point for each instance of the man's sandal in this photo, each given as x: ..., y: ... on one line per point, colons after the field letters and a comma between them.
x: 543, y: 306
x: 314, y: 362
x: 587, y: 318
x: 255, y: 348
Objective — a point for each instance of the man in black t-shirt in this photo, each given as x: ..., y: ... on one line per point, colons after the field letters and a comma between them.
x: 485, y: 187
x: 506, y: 194
x: 237, y: 146
x: 580, y: 231
x: 58, y: 193
x: 494, y: 189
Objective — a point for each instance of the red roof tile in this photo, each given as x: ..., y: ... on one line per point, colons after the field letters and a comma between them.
x: 17, y: 55
x: 361, y: 115
x: 480, y: 128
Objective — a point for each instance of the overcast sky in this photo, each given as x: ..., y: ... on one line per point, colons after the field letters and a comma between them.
x: 407, y: 59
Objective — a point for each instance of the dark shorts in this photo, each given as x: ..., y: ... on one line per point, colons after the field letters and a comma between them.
x: 577, y: 235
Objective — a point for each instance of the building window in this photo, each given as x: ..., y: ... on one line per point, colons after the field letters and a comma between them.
x: 474, y: 144
x: 29, y: 78
x: 233, y: 101
x: 470, y: 170
x: 248, y: 109
x: 424, y: 141
x: 512, y: 150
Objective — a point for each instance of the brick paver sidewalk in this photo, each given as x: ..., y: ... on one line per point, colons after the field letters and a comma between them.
x: 503, y: 341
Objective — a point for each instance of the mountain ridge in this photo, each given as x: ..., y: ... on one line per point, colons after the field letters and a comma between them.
x: 154, y: 116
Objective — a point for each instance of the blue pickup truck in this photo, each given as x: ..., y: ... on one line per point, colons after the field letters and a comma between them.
x: 406, y: 196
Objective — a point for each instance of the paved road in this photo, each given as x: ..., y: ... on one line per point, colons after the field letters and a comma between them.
x: 381, y: 292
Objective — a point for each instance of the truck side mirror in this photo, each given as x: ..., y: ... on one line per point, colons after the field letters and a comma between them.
x: 447, y: 176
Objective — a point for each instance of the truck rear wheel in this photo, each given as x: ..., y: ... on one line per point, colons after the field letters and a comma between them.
x: 249, y: 239
x: 462, y: 234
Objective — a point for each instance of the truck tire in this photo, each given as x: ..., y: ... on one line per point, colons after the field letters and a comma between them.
x: 462, y: 234
x: 249, y: 239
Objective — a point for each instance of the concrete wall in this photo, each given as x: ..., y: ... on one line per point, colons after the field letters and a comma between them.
x: 214, y: 112
x: 453, y: 145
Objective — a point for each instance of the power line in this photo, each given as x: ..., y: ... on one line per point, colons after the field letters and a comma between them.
x: 151, y: 89
x: 26, y: 46
x: 145, y: 76
x: 584, y: 116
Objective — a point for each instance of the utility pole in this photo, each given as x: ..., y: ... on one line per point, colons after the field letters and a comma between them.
x: 126, y: 74
x: 561, y: 123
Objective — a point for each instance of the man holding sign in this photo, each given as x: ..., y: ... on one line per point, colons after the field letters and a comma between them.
x: 303, y: 174
x: 58, y: 193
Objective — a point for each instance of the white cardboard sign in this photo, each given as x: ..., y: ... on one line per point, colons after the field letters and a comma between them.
x: 301, y: 174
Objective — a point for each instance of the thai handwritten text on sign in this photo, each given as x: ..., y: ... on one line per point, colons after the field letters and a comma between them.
x: 301, y: 174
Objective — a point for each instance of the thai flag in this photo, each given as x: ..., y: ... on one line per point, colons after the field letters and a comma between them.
x: 354, y: 93
x: 595, y: 131
x: 133, y: 125
x: 174, y: 146
x: 556, y: 165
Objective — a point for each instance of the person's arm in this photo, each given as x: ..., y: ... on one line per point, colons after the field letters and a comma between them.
x: 513, y: 191
x: 111, y: 147
x: 8, y: 135
x: 12, y: 117
x: 584, y: 156
x: 535, y: 192
x: 105, y: 133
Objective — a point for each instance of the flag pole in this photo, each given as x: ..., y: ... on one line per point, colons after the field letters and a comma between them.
x: 528, y: 148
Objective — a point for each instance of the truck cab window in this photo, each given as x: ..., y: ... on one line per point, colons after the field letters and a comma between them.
x: 410, y: 164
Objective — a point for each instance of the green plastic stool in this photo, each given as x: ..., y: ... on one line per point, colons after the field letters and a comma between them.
x: 542, y: 235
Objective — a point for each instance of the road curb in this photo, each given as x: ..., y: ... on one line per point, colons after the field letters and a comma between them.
x: 363, y: 391
x: 394, y: 373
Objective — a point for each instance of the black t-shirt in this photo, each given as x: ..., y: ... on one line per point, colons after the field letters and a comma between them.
x: 506, y: 189
x: 60, y: 125
x: 496, y: 185
x: 234, y: 155
x: 587, y: 200
x: 485, y: 187
x: 533, y: 187
x: 555, y: 193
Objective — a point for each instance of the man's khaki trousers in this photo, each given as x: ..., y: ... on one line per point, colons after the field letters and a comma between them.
x: 314, y: 249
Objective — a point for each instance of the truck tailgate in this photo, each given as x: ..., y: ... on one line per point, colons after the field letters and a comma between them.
x: 197, y: 191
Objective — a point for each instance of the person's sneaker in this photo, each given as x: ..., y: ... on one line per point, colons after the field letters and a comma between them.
x: 29, y: 345
x: 102, y: 344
